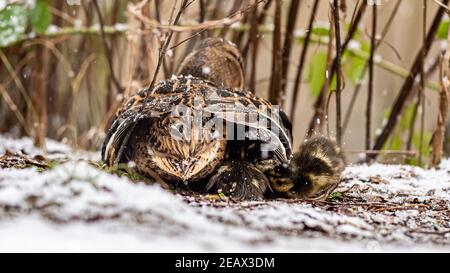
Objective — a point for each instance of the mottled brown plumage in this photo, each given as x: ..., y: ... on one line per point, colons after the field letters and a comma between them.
x: 216, y: 60
x: 211, y: 82
x: 145, y: 127
x: 153, y: 149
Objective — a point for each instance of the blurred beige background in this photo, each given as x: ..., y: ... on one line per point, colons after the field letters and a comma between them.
x: 77, y: 112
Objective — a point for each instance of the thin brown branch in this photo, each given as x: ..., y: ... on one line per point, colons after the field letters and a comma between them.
x: 165, y: 44
x: 253, y: 38
x: 338, y: 70
x: 158, y: 19
x: 275, y: 83
x: 322, y: 111
x: 107, y: 48
x: 358, y: 86
x: 158, y: 11
x: 201, y: 19
x: 371, y: 74
x: 320, y: 99
x: 406, y: 88
x: 438, y: 137
x: 298, y: 76
x: 234, y: 8
x: 13, y: 107
x: 412, y: 123
x: 212, y: 12
x: 442, y: 5
x: 422, y: 80
x: 210, y: 24
x: 194, y: 34
x: 261, y: 18
x: 288, y: 38
x: 63, y: 15
x: 39, y: 95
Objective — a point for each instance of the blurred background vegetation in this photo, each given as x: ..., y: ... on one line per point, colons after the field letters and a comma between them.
x: 65, y: 66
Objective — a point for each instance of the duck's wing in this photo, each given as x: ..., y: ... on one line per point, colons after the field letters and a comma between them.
x: 267, y: 122
x: 144, y: 105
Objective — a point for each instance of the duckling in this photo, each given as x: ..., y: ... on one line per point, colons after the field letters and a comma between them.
x: 240, y: 180
x: 313, y: 173
x: 216, y: 60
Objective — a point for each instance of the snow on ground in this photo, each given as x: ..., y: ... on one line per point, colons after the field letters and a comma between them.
x: 76, y: 207
x: 54, y: 149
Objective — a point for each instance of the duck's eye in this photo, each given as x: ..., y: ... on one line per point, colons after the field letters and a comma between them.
x: 279, y: 169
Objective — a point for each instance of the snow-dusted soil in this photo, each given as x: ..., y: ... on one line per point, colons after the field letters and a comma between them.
x: 76, y: 207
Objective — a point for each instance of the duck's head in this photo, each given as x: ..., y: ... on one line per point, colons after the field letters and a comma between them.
x: 216, y: 60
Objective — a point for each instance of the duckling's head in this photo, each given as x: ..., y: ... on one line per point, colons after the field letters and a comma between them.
x: 216, y: 60
x: 282, y: 179
x: 313, y: 173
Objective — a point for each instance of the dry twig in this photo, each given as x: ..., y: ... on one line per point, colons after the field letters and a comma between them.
x: 406, y: 88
